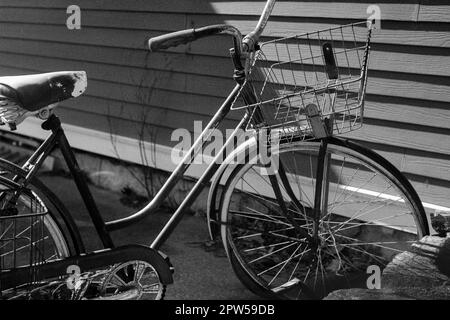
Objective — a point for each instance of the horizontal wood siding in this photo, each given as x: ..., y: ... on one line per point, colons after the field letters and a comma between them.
x: 407, y: 110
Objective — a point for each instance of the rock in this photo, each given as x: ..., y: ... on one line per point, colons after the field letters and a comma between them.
x: 365, y: 294
x: 406, y: 293
x: 411, y: 270
x: 429, y: 246
x: 424, y: 293
x: 443, y: 258
x: 423, y: 273
x: 418, y: 268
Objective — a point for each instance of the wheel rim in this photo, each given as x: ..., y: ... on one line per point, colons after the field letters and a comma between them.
x: 271, y: 254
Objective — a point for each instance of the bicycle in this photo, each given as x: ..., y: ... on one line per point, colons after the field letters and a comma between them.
x: 305, y: 218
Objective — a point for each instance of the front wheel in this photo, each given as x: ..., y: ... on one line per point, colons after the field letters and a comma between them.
x: 339, y: 209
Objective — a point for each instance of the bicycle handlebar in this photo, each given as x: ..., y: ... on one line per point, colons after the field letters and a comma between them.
x: 185, y: 36
x: 252, y: 38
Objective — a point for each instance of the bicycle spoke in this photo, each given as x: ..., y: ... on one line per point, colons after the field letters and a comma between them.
x: 373, y: 222
x: 54, y: 256
x: 343, y: 190
x: 273, y: 267
x: 374, y: 243
x: 257, y: 217
x: 151, y: 288
x: 284, y: 265
x: 359, y: 216
x: 322, y: 270
x: 118, y: 281
x: 139, y: 272
x: 275, y: 205
x: 341, y: 258
x: 266, y: 246
x: 272, y: 253
x: 24, y: 247
x: 297, y: 264
x: 273, y: 233
x: 378, y: 258
x: 260, y: 233
x: 21, y: 233
x: 5, y: 231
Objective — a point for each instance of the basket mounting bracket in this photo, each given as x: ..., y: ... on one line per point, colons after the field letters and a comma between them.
x: 316, y: 123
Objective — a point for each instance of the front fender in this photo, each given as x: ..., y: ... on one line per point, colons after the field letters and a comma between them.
x: 220, y: 178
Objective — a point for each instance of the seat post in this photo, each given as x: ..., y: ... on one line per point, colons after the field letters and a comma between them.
x: 52, y: 123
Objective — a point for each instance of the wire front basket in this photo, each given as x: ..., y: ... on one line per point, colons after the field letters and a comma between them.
x: 311, y: 85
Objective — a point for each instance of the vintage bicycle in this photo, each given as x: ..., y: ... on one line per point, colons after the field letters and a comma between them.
x: 305, y: 217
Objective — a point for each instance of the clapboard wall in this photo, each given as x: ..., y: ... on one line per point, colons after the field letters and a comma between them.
x: 407, y: 109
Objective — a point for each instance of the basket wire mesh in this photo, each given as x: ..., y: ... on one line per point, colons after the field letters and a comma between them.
x: 23, y: 240
x: 319, y: 74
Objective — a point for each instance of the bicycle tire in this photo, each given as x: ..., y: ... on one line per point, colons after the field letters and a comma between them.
x: 250, y: 275
x: 62, y: 216
x: 35, y: 200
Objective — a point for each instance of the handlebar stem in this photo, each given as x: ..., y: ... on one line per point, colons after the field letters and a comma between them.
x: 237, y: 38
x: 252, y: 38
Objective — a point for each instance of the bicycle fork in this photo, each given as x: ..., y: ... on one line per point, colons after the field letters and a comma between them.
x: 320, y: 196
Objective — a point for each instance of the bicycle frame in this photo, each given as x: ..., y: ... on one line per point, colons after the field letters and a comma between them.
x: 59, y: 139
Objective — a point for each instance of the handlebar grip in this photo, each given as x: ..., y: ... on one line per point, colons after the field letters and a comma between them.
x: 171, y: 39
x: 174, y: 39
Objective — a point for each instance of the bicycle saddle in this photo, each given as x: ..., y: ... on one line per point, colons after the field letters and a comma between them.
x: 21, y: 96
